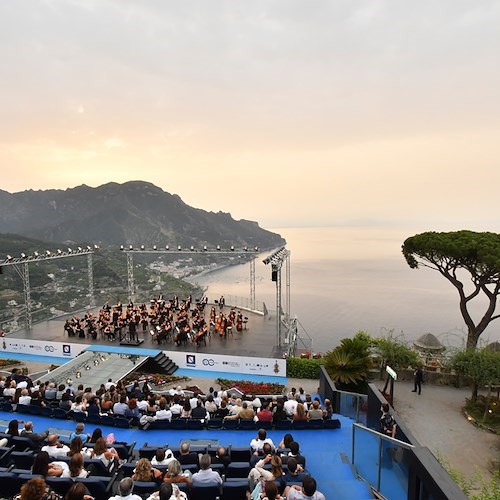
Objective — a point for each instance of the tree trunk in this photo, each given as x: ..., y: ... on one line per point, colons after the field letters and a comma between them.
x: 475, y: 389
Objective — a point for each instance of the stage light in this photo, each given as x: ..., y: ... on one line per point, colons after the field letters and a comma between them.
x: 9, y: 257
x: 59, y: 251
x: 36, y: 255
x: 96, y: 247
x: 80, y: 249
x: 69, y: 381
x: 245, y: 249
x: 87, y: 367
x: 78, y: 374
x: 232, y: 248
x: 121, y: 248
x: 130, y: 247
x: 48, y: 253
x: 205, y: 248
x: 154, y: 247
x: 167, y: 248
x: 179, y: 248
x: 70, y: 250
x: 192, y: 248
x: 23, y: 255
x: 218, y: 248
x: 142, y: 247
x: 89, y: 248
x: 256, y: 249
x: 96, y: 362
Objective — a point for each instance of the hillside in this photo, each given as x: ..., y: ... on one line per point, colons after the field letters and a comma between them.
x: 131, y: 213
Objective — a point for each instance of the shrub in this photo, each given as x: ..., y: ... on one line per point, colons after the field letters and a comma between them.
x: 303, y: 368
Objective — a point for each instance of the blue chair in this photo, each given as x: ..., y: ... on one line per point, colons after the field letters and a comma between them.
x: 6, y: 407
x: 235, y: 490
x: 194, y: 424
x: 95, y: 419
x: 299, y: 425
x: 246, y: 425
x: 240, y: 453
x: 238, y: 470
x: 99, y: 486
x: 315, y: 424
x: 144, y: 488
x: 230, y: 424
x: 46, y: 411
x: 60, y: 413
x: 214, y: 423
x: 205, y: 493
x: 122, y: 422
x: 332, y: 424
x: 10, y: 484
x: 160, y: 424
x: 60, y: 485
x: 178, y: 424
x: 21, y: 443
x: 23, y: 459
x: 283, y: 425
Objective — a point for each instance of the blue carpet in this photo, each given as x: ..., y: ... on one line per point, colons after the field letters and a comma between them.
x: 33, y: 357
x: 124, y: 350
x: 187, y: 372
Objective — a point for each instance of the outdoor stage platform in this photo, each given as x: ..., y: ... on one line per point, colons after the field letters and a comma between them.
x: 258, y: 340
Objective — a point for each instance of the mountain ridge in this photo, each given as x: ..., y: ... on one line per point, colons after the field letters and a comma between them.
x: 132, y: 213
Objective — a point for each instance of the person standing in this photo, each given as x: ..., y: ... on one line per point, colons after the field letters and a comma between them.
x: 418, y: 378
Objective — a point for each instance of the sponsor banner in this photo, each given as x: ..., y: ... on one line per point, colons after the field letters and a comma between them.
x: 231, y: 364
x: 41, y: 348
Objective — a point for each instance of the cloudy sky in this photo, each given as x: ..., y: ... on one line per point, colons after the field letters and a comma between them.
x: 291, y: 113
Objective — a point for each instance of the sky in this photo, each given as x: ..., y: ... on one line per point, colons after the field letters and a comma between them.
x: 290, y: 113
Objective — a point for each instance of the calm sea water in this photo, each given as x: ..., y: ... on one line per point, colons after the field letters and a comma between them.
x: 347, y: 279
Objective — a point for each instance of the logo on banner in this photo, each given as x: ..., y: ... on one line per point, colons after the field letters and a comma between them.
x: 190, y: 360
x: 208, y: 362
x: 67, y: 349
x: 49, y: 348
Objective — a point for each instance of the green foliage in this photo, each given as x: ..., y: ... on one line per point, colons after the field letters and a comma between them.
x: 349, y: 363
x: 394, y: 352
x: 449, y: 253
x: 303, y: 368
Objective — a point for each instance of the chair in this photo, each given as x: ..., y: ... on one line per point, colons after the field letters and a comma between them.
x: 147, y: 451
x: 332, y: 424
x: 98, y: 486
x: 160, y: 424
x: 95, y: 419
x: 205, y: 493
x: 60, y: 485
x: 5, y: 453
x: 79, y: 416
x: 178, y: 424
x: 240, y: 453
x: 124, y: 450
x: 108, y: 420
x: 46, y: 411
x: 246, y: 425
x: 23, y: 459
x: 235, y: 490
x: 283, y: 425
x: 143, y: 488
x: 316, y: 424
x: 10, y: 484
x: 122, y: 422
x: 128, y: 468
x: 6, y: 407
x: 230, y: 424
x: 299, y: 425
x: 194, y: 424
x: 214, y: 423
x: 238, y: 470
x: 267, y: 425
x: 60, y: 413
x: 98, y: 467
x: 23, y: 409
x: 22, y: 443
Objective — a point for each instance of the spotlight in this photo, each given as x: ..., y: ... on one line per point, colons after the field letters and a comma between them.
x: 9, y: 257
x: 130, y: 247
x: 23, y: 255
x: 192, y: 248
x: 48, y: 253
x: 179, y: 248
x: 205, y: 248
x: 142, y: 247
x: 245, y: 249
x: 78, y: 374
x: 232, y: 248
x: 59, y: 251
x: 87, y: 367
x: 70, y: 250
x: 121, y: 248
x: 69, y: 381
x: 218, y: 248
x: 167, y: 248
x: 36, y: 255
x: 89, y: 248
x: 96, y: 247
x: 256, y: 249
x: 96, y: 362
x: 80, y: 249
x: 154, y: 247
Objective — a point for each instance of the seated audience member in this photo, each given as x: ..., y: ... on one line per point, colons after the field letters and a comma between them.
x: 163, y: 413
x: 65, y: 402
x: 78, y: 491
x: 295, y: 453
x: 76, y: 468
x: 36, y: 489
x: 29, y: 433
x: 266, y: 450
x: 125, y: 490
x: 285, y: 442
x: 328, y: 413
x: 290, y: 406
x: 275, y: 474
x: 210, y: 405
x: 264, y: 414
x: 300, y: 413
x: 222, y: 411
x: 105, y: 454
x: 187, y: 456
x: 271, y: 491
x: 175, y: 474
x: 308, y: 491
x: 199, y: 412
x: 206, y: 476
x: 257, y: 443
x: 295, y: 472
x: 279, y: 413
x: 54, y: 448
x: 162, y: 457
x: 132, y: 410
x: 24, y: 398
x: 43, y: 466
x: 51, y: 392
x: 121, y: 407
x: 145, y: 472
x: 79, y: 406
x: 222, y: 457
x: 79, y: 433
x: 315, y: 412
x: 245, y: 413
x: 168, y: 491
x: 76, y: 446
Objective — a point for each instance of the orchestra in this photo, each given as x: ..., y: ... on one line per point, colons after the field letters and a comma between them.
x: 181, y: 322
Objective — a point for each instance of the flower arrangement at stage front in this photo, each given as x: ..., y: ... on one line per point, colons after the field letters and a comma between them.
x: 261, y: 388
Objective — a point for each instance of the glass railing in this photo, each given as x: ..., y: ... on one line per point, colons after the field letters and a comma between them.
x: 381, y: 461
x: 353, y: 405
x: 244, y: 303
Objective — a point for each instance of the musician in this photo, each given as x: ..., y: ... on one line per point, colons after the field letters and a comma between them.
x: 132, y: 330
x: 239, y: 322
x: 222, y: 302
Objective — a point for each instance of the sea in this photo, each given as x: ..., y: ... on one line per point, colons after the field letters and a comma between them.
x: 347, y: 279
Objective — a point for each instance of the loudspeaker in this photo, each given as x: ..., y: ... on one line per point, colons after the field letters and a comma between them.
x: 274, y: 275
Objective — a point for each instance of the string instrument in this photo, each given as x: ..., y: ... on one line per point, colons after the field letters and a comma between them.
x: 239, y: 322
x: 200, y: 335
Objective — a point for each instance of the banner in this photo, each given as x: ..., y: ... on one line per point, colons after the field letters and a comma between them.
x: 231, y: 364
x: 41, y: 348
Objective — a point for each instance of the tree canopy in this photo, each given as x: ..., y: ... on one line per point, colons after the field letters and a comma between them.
x: 453, y: 252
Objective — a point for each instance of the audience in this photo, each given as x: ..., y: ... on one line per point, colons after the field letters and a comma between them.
x: 206, y: 476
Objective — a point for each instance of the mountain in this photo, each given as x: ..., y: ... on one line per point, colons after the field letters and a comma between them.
x: 133, y: 213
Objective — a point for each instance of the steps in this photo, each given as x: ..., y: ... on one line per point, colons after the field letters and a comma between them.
x: 164, y: 364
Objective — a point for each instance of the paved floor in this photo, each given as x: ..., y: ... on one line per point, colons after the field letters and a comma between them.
x: 436, y: 420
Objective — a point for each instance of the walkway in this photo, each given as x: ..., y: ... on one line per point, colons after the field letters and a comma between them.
x: 435, y: 419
